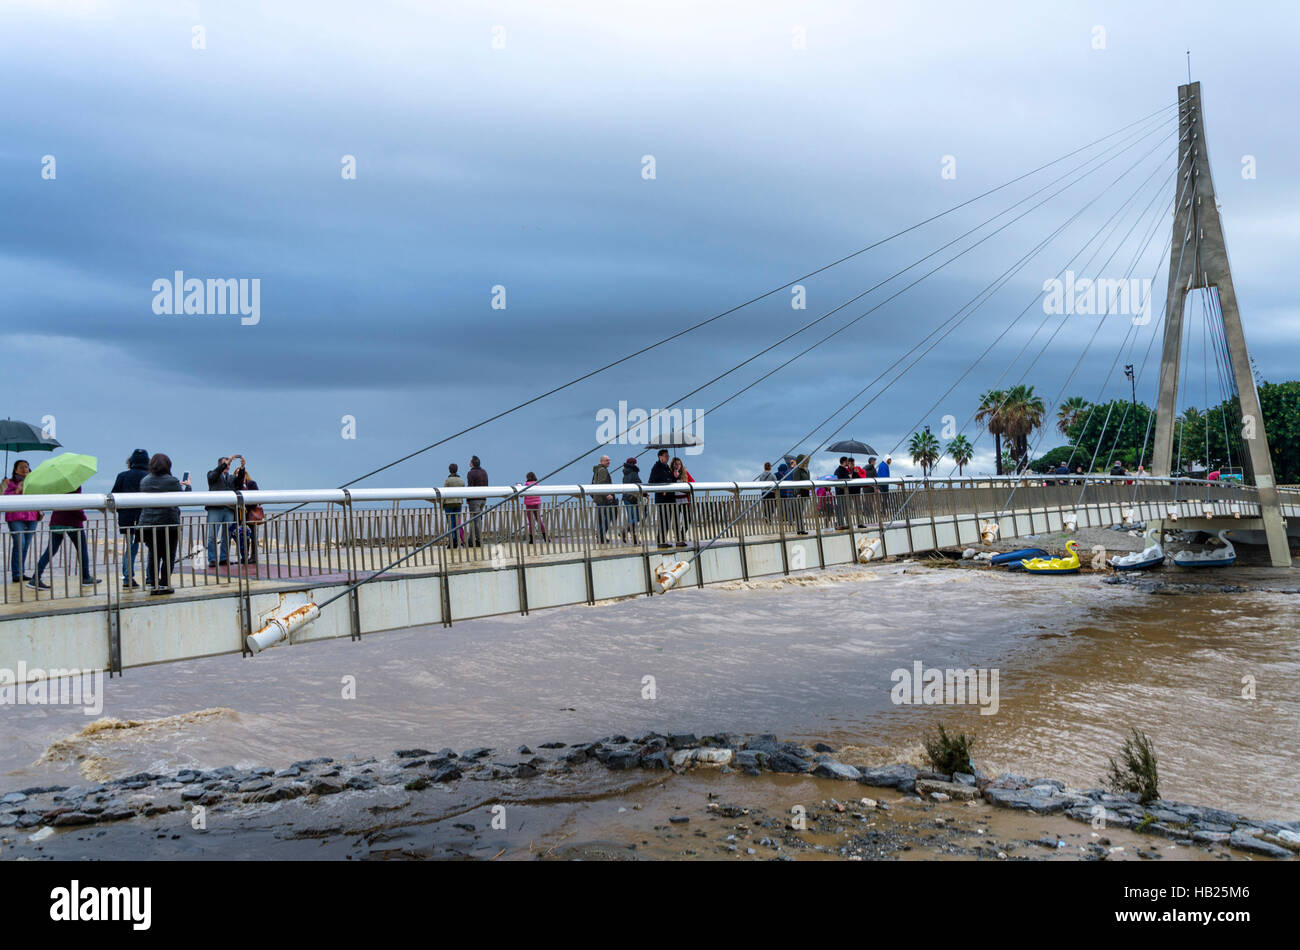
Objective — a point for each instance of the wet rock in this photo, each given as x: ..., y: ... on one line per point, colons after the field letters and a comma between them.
x: 447, y: 774
x: 901, y: 777
x: 552, y: 745
x: 186, y: 776
x: 291, y: 772
x: 417, y: 784
x: 681, y: 740
x: 618, y: 759
x: 524, y: 750
x: 255, y: 785
x: 472, y: 754
x: 655, y: 760
x: 1008, y: 798
x: 823, y: 747
x: 29, y: 819
x: 679, y: 819
x: 279, y: 793
x: 964, y: 778
x: 576, y: 755
x: 525, y: 770
x: 412, y: 753
x: 8, y: 819
x: 360, y: 783
x: 414, y: 764
x: 837, y: 770
x: 1210, y: 837
x: 951, y: 790
x: 1244, y: 841
x: 751, y: 759
x: 1010, y: 780
x: 13, y: 798
x: 787, y: 762
x: 324, y: 786
x: 308, y: 763
x: 192, y: 794
x: 40, y: 789
x: 713, y: 756
x: 142, y: 777
x: 933, y: 776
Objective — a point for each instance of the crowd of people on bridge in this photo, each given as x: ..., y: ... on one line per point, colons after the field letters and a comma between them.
x: 155, y: 529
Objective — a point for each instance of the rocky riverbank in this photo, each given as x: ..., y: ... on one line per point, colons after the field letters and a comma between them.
x: 350, y: 807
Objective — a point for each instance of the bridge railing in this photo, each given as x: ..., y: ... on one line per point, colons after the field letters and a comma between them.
x: 349, y: 534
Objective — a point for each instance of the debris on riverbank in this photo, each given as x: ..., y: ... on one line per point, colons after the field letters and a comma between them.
x: 853, y: 825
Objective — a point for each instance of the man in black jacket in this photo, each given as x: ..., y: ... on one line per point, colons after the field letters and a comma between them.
x: 661, y: 474
x: 137, y: 467
x: 222, y: 517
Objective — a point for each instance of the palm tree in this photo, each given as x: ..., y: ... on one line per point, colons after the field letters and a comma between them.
x: 990, y: 416
x: 925, y: 451
x: 1021, y: 414
x: 1070, y: 412
x: 960, y: 451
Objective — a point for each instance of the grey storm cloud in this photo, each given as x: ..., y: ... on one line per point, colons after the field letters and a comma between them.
x: 522, y: 167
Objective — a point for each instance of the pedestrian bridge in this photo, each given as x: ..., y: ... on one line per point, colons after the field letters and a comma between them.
x: 391, y: 553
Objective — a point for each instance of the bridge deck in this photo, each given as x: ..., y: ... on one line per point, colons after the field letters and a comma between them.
x: 212, y: 610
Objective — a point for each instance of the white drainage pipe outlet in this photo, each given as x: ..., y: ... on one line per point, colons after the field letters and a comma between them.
x: 868, y: 549
x: 279, y: 628
x: 667, y: 576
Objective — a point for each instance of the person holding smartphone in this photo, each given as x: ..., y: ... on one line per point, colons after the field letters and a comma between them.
x: 221, y: 518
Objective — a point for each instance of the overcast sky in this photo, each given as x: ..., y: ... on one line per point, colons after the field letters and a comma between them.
x: 505, y: 144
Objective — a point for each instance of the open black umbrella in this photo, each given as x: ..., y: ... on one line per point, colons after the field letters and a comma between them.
x: 851, y: 447
x: 676, y: 440
x: 18, y: 436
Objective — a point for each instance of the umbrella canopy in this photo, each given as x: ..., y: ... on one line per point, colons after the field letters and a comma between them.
x: 676, y: 440
x: 60, y: 475
x: 18, y: 436
x: 851, y: 447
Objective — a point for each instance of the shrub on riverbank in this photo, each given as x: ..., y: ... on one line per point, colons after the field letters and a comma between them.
x: 1138, y: 772
x: 949, y: 754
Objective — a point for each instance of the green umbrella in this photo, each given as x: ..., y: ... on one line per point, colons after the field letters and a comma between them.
x: 60, y: 475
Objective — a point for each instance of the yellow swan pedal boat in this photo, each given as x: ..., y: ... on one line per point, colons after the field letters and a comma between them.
x: 1055, y: 565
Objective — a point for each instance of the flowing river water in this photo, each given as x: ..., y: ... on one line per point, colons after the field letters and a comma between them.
x: 1211, y: 677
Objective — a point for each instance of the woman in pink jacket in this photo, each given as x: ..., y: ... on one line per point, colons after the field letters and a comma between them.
x: 22, y: 524
x: 533, y: 509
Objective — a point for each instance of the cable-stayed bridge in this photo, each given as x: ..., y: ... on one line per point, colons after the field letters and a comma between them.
x: 376, y: 559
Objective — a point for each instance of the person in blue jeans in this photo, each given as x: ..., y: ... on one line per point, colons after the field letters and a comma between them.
x: 22, y: 524
x: 128, y: 482
x: 72, y: 526
x: 221, y: 518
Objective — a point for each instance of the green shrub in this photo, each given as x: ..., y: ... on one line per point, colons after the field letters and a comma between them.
x: 949, y: 754
x: 1138, y: 772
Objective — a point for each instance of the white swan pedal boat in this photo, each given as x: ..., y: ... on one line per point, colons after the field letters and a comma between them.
x: 1218, y: 557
